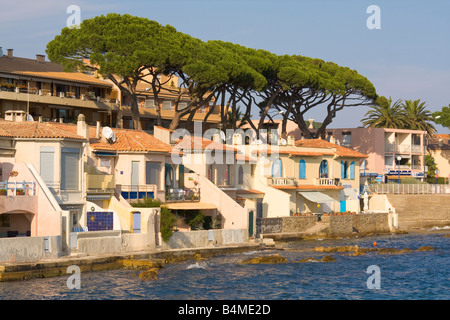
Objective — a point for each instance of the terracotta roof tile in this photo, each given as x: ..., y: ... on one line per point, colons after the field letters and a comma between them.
x: 127, y: 140
x: 340, y: 151
x: 194, y: 143
x: 33, y: 129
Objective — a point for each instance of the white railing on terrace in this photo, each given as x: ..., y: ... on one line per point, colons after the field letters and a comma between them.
x: 419, y: 188
x: 13, y: 188
x: 282, y: 181
x: 328, y: 182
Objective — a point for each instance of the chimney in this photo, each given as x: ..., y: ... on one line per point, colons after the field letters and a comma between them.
x: 290, y: 140
x: 10, y: 52
x: 97, y: 130
x: 333, y: 139
x: 311, y: 124
x: 40, y: 58
x: 82, y: 127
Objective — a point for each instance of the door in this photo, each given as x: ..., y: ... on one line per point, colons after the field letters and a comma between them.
x: 134, y: 175
x: 259, y: 208
x: 250, y: 223
x: 136, y: 222
x: 343, y: 206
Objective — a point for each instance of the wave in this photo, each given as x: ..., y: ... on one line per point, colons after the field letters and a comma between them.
x: 197, y: 265
x: 440, y: 228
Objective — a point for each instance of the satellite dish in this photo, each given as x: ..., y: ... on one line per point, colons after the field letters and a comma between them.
x: 30, y: 117
x: 109, y: 134
x: 283, y: 142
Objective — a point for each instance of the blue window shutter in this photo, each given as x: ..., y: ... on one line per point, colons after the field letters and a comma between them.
x: 352, y: 170
x: 343, y: 170
x: 302, y: 169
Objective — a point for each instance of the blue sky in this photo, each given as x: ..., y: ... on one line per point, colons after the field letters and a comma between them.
x: 408, y: 58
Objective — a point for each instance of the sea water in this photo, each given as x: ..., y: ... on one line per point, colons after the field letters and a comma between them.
x: 414, y: 275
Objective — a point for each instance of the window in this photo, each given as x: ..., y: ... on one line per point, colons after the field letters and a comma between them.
x: 344, y: 170
x: 167, y: 105
x: 240, y: 175
x: 228, y: 175
x: 149, y: 103
x: 182, y: 105
x: 277, y: 168
x: 5, y: 220
x: 352, y: 170
x: 302, y: 169
x: 346, y: 139
x: 70, y: 168
x: 211, y: 173
x: 323, y: 169
x: 152, y: 172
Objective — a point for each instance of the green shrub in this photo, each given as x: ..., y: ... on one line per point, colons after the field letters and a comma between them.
x: 168, y: 221
x: 194, y: 218
x: 147, y: 203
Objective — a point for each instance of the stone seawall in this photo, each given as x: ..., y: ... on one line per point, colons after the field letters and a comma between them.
x: 421, y: 210
x: 332, y: 226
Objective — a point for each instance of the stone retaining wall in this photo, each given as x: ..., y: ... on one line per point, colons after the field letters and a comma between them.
x: 327, y: 226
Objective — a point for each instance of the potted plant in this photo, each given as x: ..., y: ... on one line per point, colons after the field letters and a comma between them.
x: 3, y: 192
x: 20, y: 192
x: 13, y: 173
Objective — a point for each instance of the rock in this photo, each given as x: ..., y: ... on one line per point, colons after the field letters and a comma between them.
x: 328, y: 259
x: 148, y: 275
x: 337, y: 249
x: 198, y: 257
x: 393, y: 251
x: 276, y: 258
x: 425, y: 248
x: 324, y: 259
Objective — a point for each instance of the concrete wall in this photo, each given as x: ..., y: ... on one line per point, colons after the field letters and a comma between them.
x: 205, y: 238
x: 421, y: 211
x: 115, y: 241
x: 25, y: 249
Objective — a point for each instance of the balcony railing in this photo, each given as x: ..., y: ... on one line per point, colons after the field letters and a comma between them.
x: 392, y: 147
x: 419, y: 188
x: 272, y: 181
x: 15, y: 188
x: 185, y: 194
x: 328, y: 182
x: 100, y: 183
x: 133, y: 192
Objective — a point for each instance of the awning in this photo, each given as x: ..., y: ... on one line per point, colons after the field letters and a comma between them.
x: 315, y: 196
x: 249, y: 193
x: 190, y: 206
x: 91, y: 197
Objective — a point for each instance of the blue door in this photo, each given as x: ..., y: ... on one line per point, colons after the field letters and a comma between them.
x: 343, y: 206
x: 136, y: 222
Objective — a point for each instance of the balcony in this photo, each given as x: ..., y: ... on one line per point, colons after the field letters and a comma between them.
x: 100, y: 183
x: 14, y: 188
x: 185, y: 194
x: 60, y: 98
x: 134, y: 192
x: 272, y: 181
x: 328, y: 182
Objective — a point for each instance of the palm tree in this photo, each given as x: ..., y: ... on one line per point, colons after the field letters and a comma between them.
x: 417, y: 117
x: 384, y: 114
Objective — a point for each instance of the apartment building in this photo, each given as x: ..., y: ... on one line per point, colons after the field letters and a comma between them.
x: 41, y: 88
x: 392, y: 153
